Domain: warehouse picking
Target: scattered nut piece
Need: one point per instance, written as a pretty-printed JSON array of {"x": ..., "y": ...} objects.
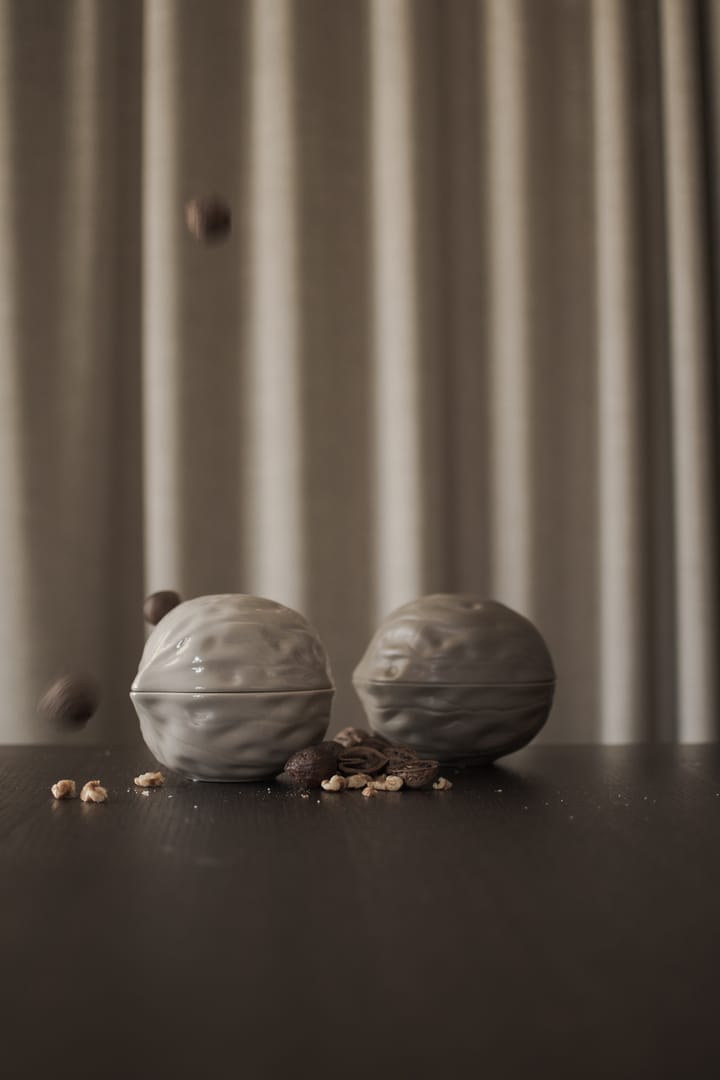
[
  {"x": 441, "y": 784},
  {"x": 369, "y": 792},
  {"x": 335, "y": 783},
  {"x": 387, "y": 783},
  {"x": 149, "y": 779},
  {"x": 393, "y": 783},
  {"x": 358, "y": 780},
  {"x": 93, "y": 792},
  {"x": 64, "y": 789}
]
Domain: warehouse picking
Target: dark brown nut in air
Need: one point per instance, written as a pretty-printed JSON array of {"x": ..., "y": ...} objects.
[
  {"x": 158, "y": 604},
  {"x": 351, "y": 736},
  {"x": 312, "y": 765},
  {"x": 418, "y": 774},
  {"x": 361, "y": 759},
  {"x": 208, "y": 218},
  {"x": 70, "y": 701}
]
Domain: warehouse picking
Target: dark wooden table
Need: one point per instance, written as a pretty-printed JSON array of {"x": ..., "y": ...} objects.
[{"x": 556, "y": 916}]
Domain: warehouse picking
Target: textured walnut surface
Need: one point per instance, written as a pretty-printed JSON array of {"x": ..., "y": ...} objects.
[
  {"x": 232, "y": 643},
  {"x": 456, "y": 639}
]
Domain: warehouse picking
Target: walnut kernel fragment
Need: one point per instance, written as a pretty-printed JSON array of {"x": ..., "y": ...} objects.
[
  {"x": 64, "y": 789},
  {"x": 369, "y": 792},
  {"x": 335, "y": 783},
  {"x": 441, "y": 784},
  {"x": 94, "y": 792},
  {"x": 149, "y": 779},
  {"x": 387, "y": 783},
  {"x": 358, "y": 780},
  {"x": 390, "y": 783}
]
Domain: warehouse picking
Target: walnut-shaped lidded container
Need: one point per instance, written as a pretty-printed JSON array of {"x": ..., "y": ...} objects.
[
  {"x": 456, "y": 678},
  {"x": 229, "y": 686}
]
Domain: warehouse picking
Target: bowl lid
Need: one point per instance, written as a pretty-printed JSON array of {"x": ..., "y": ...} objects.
[
  {"x": 232, "y": 643},
  {"x": 456, "y": 639}
]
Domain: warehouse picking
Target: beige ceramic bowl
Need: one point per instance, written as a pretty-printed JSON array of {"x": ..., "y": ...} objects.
[
  {"x": 229, "y": 686},
  {"x": 457, "y": 678}
]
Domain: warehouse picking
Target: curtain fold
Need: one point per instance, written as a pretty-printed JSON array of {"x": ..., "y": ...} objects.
[
  {"x": 510, "y": 417},
  {"x": 463, "y": 335},
  {"x": 694, "y": 411},
  {"x": 623, "y": 632}
]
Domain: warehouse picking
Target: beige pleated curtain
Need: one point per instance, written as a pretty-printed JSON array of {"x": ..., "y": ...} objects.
[{"x": 463, "y": 335}]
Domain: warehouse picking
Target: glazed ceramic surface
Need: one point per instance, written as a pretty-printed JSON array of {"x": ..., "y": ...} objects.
[
  {"x": 457, "y": 678},
  {"x": 230, "y": 685}
]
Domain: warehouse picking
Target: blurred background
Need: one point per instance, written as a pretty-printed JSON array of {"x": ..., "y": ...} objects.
[{"x": 463, "y": 335}]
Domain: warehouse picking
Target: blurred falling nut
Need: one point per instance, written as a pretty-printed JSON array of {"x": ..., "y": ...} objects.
[
  {"x": 93, "y": 792},
  {"x": 208, "y": 218},
  {"x": 70, "y": 701},
  {"x": 64, "y": 789}
]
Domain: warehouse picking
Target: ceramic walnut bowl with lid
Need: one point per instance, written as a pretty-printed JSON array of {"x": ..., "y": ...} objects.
[
  {"x": 457, "y": 678},
  {"x": 230, "y": 686}
]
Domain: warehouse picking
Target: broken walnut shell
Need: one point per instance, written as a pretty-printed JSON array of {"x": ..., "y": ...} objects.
[
  {"x": 361, "y": 759},
  {"x": 418, "y": 774}
]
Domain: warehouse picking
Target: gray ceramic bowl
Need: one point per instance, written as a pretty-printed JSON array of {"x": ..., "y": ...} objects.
[
  {"x": 229, "y": 686},
  {"x": 456, "y": 678}
]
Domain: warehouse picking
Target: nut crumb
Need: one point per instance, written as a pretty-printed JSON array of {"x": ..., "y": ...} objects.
[
  {"x": 64, "y": 789},
  {"x": 93, "y": 792},
  {"x": 335, "y": 783},
  {"x": 369, "y": 792},
  {"x": 441, "y": 784},
  {"x": 304, "y": 795},
  {"x": 149, "y": 779},
  {"x": 358, "y": 780}
]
